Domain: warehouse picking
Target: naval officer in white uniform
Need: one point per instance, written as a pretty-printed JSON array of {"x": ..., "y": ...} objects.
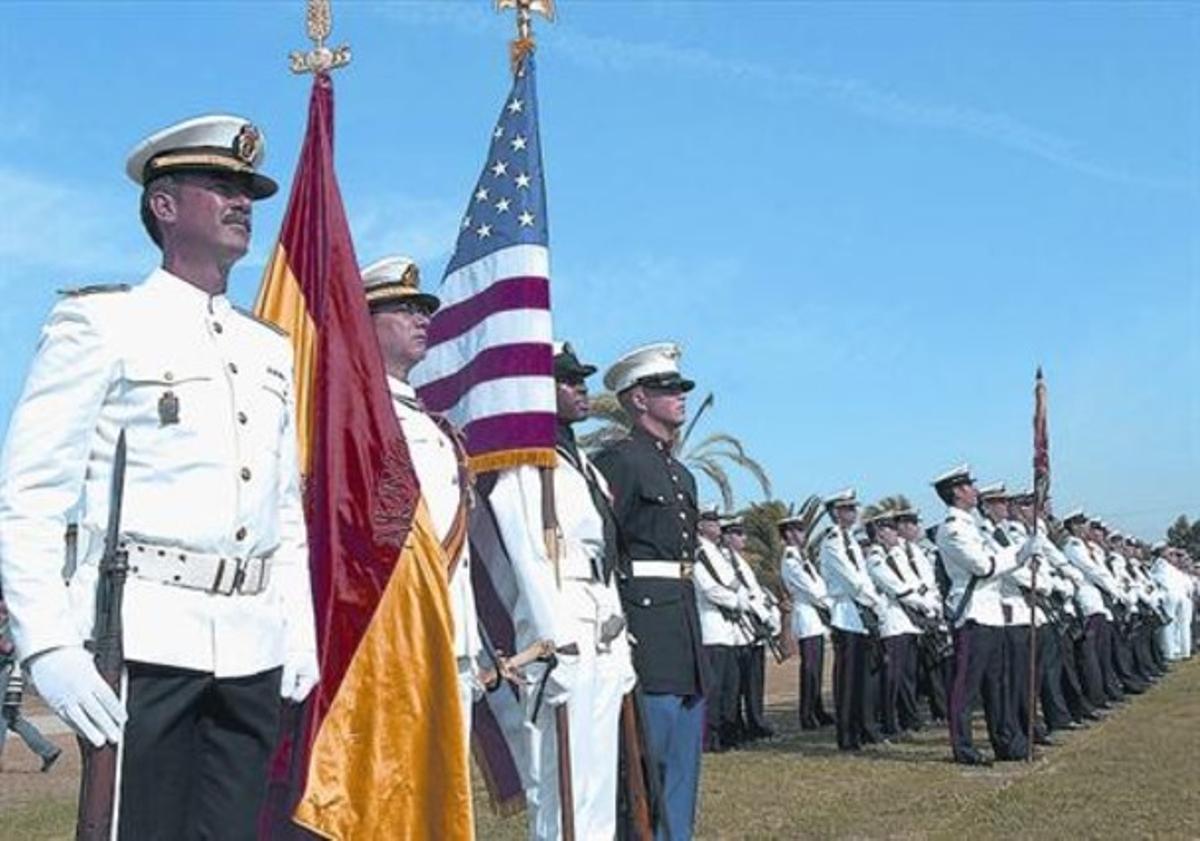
[
  {"x": 400, "y": 312},
  {"x": 218, "y": 619}
]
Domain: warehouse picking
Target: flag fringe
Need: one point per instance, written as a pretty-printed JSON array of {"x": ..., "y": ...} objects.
[{"x": 537, "y": 457}]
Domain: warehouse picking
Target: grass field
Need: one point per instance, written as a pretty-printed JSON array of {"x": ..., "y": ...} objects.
[{"x": 1136, "y": 775}]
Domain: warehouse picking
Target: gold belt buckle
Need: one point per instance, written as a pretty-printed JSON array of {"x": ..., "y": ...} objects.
[{"x": 685, "y": 570}]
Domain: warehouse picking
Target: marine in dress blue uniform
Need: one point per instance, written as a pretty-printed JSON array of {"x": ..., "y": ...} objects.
[{"x": 654, "y": 500}]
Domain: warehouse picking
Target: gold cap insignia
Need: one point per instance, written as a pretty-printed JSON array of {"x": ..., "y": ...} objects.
[{"x": 248, "y": 143}]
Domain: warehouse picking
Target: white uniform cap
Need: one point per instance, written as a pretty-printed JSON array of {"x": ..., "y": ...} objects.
[
  {"x": 211, "y": 143},
  {"x": 656, "y": 364},
  {"x": 841, "y": 498},
  {"x": 993, "y": 491},
  {"x": 960, "y": 475},
  {"x": 394, "y": 279}
]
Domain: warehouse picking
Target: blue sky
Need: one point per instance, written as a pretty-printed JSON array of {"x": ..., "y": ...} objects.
[{"x": 867, "y": 223}]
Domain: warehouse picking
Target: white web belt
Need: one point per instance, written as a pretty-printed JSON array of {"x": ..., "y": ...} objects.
[{"x": 178, "y": 567}]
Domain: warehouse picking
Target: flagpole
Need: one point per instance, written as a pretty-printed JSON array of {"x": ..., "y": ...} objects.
[
  {"x": 1033, "y": 634},
  {"x": 519, "y": 48},
  {"x": 1041, "y": 482}
]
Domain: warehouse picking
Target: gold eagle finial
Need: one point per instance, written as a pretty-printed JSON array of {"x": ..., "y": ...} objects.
[{"x": 524, "y": 43}]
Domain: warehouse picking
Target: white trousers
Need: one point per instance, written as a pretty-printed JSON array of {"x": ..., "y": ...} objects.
[
  {"x": 468, "y": 691},
  {"x": 1180, "y": 630},
  {"x": 593, "y": 713}
]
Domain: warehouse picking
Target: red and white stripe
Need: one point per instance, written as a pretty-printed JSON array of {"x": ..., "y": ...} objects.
[{"x": 489, "y": 367}]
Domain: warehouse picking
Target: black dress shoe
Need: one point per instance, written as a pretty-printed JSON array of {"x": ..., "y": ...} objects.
[
  {"x": 973, "y": 758},
  {"x": 1044, "y": 741}
]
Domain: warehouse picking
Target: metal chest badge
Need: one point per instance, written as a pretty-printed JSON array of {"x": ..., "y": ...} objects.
[{"x": 168, "y": 409}]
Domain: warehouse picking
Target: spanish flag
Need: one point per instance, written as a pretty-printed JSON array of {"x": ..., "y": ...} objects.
[{"x": 373, "y": 753}]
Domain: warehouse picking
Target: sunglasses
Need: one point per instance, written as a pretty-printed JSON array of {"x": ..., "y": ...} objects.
[{"x": 670, "y": 388}]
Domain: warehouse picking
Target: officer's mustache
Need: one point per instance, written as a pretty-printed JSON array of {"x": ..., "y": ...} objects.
[{"x": 236, "y": 218}]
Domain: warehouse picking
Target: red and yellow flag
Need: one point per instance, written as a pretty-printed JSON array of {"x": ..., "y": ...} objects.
[
  {"x": 1041, "y": 445},
  {"x": 373, "y": 754}
]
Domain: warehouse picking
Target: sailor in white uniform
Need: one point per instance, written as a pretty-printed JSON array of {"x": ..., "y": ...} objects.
[
  {"x": 855, "y": 622},
  {"x": 400, "y": 312},
  {"x": 572, "y": 602},
  {"x": 721, "y": 602},
  {"x": 975, "y": 567},
  {"x": 810, "y": 620},
  {"x": 218, "y": 619}
]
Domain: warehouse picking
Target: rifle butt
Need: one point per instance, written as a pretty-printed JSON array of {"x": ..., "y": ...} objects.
[
  {"x": 638, "y": 791},
  {"x": 97, "y": 790}
]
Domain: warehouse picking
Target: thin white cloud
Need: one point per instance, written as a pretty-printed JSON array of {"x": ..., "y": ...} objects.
[
  {"x": 52, "y": 226},
  {"x": 619, "y": 55},
  {"x": 423, "y": 229}
]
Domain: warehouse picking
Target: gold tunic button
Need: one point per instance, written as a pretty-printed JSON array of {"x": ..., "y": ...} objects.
[
  {"x": 217, "y": 328},
  {"x": 241, "y": 533},
  {"x": 241, "y": 416},
  {"x": 233, "y": 367},
  {"x": 168, "y": 376},
  {"x": 246, "y": 474}
]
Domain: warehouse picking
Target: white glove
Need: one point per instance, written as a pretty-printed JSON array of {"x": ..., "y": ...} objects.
[
  {"x": 68, "y": 682},
  {"x": 743, "y": 600},
  {"x": 300, "y": 675}
]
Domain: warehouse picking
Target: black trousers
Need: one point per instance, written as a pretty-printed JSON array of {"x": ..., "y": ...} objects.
[
  {"x": 1073, "y": 688},
  {"x": 1123, "y": 663},
  {"x": 812, "y": 665},
  {"x": 1016, "y": 657},
  {"x": 720, "y": 697},
  {"x": 1090, "y": 655},
  {"x": 752, "y": 675},
  {"x": 933, "y": 681},
  {"x": 906, "y": 707},
  {"x": 1051, "y": 668},
  {"x": 851, "y": 674},
  {"x": 1105, "y": 645},
  {"x": 897, "y": 687},
  {"x": 979, "y": 673},
  {"x": 195, "y": 753},
  {"x": 1143, "y": 653}
]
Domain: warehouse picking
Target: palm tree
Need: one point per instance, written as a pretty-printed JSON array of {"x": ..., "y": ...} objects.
[
  {"x": 710, "y": 456},
  {"x": 764, "y": 547}
]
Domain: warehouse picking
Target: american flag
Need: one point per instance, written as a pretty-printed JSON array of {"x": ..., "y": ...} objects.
[{"x": 490, "y": 362}]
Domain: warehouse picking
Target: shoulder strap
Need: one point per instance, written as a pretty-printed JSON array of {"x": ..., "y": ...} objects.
[{"x": 706, "y": 562}]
